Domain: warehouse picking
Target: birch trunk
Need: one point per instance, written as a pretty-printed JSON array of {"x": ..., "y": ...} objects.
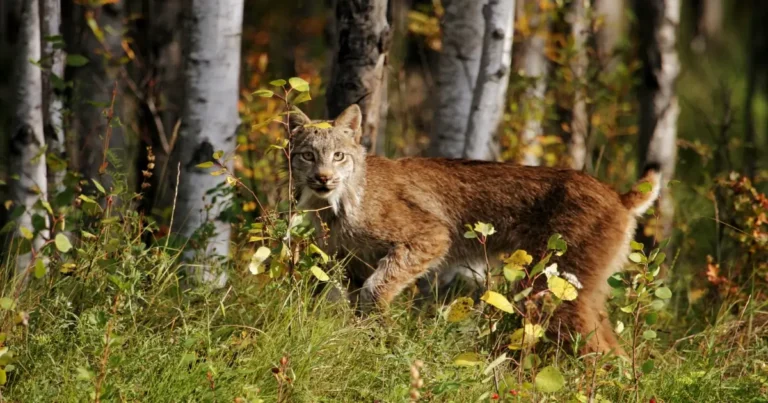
[
  {"x": 95, "y": 82},
  {"x": 490, "y": 93},
  {"x": 358, "y": 73},
  {"x": 658, "y": 22},
  {"x": 577, "y": 141},
  {"x": 27, "y": 162},
  {"x": 709, "y": 15},
  {"x": 533, "y": 63},
  {"x": 209, "y": 122},
  {"x": 458, "y": 66},
  {"x": 611, "y": 12},
  {"x": 53, "y": 60}
]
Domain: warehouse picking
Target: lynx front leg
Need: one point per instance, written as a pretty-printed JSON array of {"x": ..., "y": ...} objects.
[{"x": 402, "y": 266}]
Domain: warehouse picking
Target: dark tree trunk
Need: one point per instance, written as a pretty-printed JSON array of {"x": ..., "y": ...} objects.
[{"x": 358, "y": 75}]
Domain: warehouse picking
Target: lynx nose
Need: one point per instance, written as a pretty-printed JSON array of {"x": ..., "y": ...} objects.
[{"x": 323, "y": 177}]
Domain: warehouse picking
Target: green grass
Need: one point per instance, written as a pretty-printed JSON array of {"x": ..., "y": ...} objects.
[{"x": 168, "y": 344}]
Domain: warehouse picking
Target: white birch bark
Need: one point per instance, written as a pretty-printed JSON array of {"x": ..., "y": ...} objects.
[
  {"x": 577, "y": 142},
  {"x": 209, "y": 122},
  {"x": 358, "y": 73},
  {"x": 53, "y": 60},
  {"x": 27, "y": 165},
  {"x": 490, "y": 92},
  {"x": 658, "y": 21},
  {"x": 463, "y": 27},
  {"x": 611, "y": 13},
  {"x": 533, "y": 63}
]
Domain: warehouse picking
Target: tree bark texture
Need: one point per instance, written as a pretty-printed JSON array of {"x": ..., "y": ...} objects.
[
  {"x": 658, "y": 22},
  {"x": 532, "y": 61},
  {"x": 358, "y": 72},
  {"x": 96, "y": 34},
  {"x": 490, "y": 91},
  {"x": 53, "y": 58},
  {"x": 209, "y": 122},
  {"x": 577, "y": 141},
  {"x": 27, "y": 161},
  {"x": 611, "y": 13},
  {"x": 463, "y": 27}
]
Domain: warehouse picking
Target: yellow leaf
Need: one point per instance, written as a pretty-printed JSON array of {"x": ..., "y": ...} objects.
[
  {"x": 498, "y": 300},
  {"x": 460, "y": 309},
  {"x": 257, "y": 260},
  {"x": 315, "y": 250},
  {"x": 319, "y": 273},
  {"x": 519, "y": 258},
  {"x": 27, "y": 234},
  {"x": 526, "y": 337},
  {"x": 562, "y": 289},
  {"x": 319, "y": 125},
  {"x": 468, "y": 359}
]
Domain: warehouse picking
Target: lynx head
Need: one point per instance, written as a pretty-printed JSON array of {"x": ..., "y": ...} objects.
[{"x": 327, "y": 160}]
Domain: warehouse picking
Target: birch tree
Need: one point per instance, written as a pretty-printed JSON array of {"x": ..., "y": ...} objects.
[
  {"x": 53, "y": 58},
  {"x": 358, "y": 72},
  {"x": 611, "y": 14},
  {"x": 27, "y": 165},
  {"x": 490, "y": 91},
  {"x": 463, "y": 27},
  {"x": 577, "y": 140},
  {"x": 658, "y": 22},
  {"x": 209, "y": 122},
  {"x": 533, "y": 63}
]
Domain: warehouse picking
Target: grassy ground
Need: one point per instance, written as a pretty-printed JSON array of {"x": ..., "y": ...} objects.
[{"x": 128, "y": 332}]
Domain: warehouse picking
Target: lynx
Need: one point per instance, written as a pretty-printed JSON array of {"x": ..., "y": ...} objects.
[{"x": 400, "y": 219}]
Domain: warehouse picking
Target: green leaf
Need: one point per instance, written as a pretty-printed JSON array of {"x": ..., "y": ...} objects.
[
  {"x": 649, "y": 334},
  {"x": 299, "y": 84},
  {"x": 39, "y": 269},
  {"x": 62, "y": 243},
  {"x": 549, "y": 380},
  {"x": 27, "y": 234},
  {"x": 636, "y": 245},
  {"x": 498, "y": 300},
  {"x": 301, "y": 98},
  {"x": 98, "y": 186},
  {"x": 47, "y": 206},
  {"x": 644, "y": 187},
  {"x": 558, "y": 244},
  {"x": 660, "y": 258},
  {"x": 264, "y": 93},
  {"x": 468, "y": 360},
  {"x": 277, "y": 83},
  {"x": 651, "y": 318},
  {"x": 87, "y": 199},
  {"x": 647, "y": 366},
  {"x": 319, "y": 273},
  {"x": 513, "y": 275},
  {"x": 76, "y": 60},
  {"x": 84, "y": 374},
  {"x": 3, "y": 377},
  {"x": 637, "y": 257},
  {"x": 663, "y": 293},
  {"x": 523, "y": 294},
  {"x": 657, "y": 305},
  {"x": 616, "y": 281},
  {"x": 204, "y": 165},
  {"x": 7, "y": 304},
  {"x": 218, "y": 154}
]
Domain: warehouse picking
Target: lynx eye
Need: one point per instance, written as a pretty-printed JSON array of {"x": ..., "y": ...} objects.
[
  {"x": 308, "y": 156},
  {"x": 338, "y": 156}
]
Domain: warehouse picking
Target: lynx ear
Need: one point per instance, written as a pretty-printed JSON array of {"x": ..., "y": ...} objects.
[
  {"x": 297, "y": 118},
  {"x": 351, "y": 117}
]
